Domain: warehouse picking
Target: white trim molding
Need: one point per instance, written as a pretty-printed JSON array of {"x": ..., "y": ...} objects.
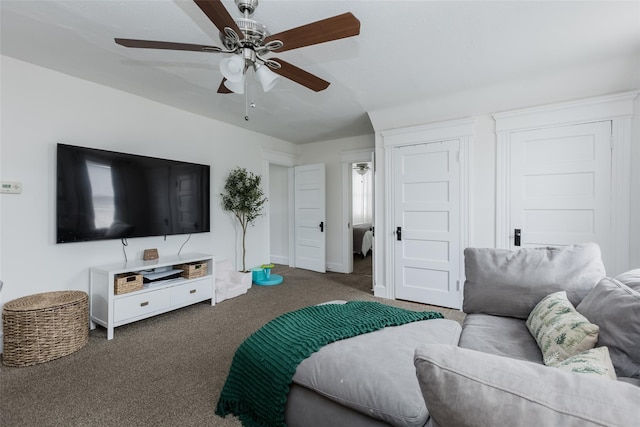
[
  {"x": 357, "y": 155},
  {"x": 567, "y": 113},
  {"x": 279, "y": 157},
  {"x": 427, "y": 133},
  {"x": 617, "y": 108}
]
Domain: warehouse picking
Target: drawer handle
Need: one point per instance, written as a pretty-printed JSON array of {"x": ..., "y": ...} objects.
[
  {"x": 131, "y": 279},
  {"x": 192, "y": 291},
  {"x": 144, "y": 304}
]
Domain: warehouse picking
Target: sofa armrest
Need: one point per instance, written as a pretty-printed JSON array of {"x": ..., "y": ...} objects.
[
  {"x": 463, "y": 387},
  {"x": 511, "y": 283}
]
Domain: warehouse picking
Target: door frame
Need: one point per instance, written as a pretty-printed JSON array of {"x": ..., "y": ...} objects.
[
  {"x": 287, "y": 160},
  {"x": 348, "y": 157},
  {"x": 618, "y": 109},
  {"x": 461, "y": 130}
]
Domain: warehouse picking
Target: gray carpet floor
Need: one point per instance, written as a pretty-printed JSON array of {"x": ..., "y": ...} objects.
[{"x": 167, "y": 370}]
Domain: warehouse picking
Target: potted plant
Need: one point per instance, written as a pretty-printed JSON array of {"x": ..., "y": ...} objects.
[{"x": 244, "y": 198}]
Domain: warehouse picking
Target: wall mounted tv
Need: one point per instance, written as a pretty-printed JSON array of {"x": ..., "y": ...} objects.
[{"x": 109, "y": 195}]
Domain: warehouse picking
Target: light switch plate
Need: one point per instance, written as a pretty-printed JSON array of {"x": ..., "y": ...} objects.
[{"x": 11, "y": 187}]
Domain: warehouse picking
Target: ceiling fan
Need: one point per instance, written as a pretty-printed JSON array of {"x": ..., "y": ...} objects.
[{"x": 250, "y": 41}]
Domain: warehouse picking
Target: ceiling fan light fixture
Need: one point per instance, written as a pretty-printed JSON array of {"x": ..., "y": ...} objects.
[
  {"x": 267, "y": 78},
  {"x": 362, "y": 168},
  {"x": 235, "y": 87},
  {"x": 233, "y": 68}
]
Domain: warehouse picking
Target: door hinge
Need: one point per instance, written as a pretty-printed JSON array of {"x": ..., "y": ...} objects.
[{"x": 457, "y": 285}]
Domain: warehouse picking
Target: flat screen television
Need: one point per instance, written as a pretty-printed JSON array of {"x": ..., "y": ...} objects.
[{"x": 109, "y": 195}]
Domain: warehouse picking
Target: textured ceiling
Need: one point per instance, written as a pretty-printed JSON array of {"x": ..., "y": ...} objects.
[{"x": 407, "y": 51}]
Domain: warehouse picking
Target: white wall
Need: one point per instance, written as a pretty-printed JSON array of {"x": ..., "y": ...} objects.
[
  {"x": 40, "y": 108},
  {"x": 328, "y": 152},
  {"x": 279, "y": 213}
]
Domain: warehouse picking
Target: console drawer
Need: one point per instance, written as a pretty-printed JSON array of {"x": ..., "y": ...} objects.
[
  {"x": 191, "y": 293},
  {"x": 139, "y": 305}
]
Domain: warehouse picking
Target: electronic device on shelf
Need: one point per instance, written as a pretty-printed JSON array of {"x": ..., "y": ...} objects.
[{"x": 104, "y": 194}]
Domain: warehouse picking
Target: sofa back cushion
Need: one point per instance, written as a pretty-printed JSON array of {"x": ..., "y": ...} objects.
[
  {"x": 630, "y": 278},
  {"x": 615, "y": 308},
  {"x": 511, "y": 283}
]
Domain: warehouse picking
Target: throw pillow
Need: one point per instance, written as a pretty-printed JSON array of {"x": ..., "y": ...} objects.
[
  {"x": 464, "y": 388},
  {"x": 615, "y": 308},
  {"x": 595, "y": 362},
  {"x": 559, "y": 329}
]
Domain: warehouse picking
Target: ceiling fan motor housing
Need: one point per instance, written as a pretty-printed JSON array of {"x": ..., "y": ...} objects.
[{"x": 253, "y": 31}]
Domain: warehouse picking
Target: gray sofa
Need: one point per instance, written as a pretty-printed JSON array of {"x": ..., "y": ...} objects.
[{"x": 491, "y": 370}]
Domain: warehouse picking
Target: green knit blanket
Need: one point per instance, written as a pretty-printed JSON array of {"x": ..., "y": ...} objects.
[{"x": 263, "y": 366}]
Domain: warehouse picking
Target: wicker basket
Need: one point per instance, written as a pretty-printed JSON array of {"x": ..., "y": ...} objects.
[
  {"x": 192, "y": 270},
  {"x": 43, "y": 327},
  {"x": 127, "y": 282}
]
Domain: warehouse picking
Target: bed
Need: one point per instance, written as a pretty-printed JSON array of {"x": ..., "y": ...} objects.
[{"x": 362, "y": 238}]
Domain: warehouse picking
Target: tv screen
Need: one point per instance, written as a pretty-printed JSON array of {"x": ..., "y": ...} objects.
[{"x": 108, "y": 195}]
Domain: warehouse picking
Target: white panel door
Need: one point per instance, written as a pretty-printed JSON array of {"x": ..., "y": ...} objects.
[
  {"x": 310, "y": 246},
  {"x": 427, "y": 223},
  {"x": 560, "y": 186}
]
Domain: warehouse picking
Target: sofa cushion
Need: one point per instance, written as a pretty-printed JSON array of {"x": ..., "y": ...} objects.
[
  {"x": 511, "y": 283},
  {"x": 596, "y": 362},
  {"x": 615, "y": 308},
  {"x": 374, "y": 373},
  {"x": 630, "y": 278},
  {"x": 502, "y": 336},
  {"x": 463, "y": 387},
  {"x": 559, "y": 329}
]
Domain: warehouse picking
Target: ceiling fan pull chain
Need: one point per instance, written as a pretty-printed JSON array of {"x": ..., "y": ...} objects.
[{"x": 246, "y": 104}]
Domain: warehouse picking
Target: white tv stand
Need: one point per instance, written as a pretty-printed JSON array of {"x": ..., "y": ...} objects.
[{"x": 111, "y": 311}]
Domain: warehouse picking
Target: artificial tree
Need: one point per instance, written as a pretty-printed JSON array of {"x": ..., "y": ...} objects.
[{"x": 243, "y": 197}]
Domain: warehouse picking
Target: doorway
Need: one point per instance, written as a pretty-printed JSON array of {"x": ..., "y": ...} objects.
[
  {"x": 358, "y": 177},
  {"x": 362, "y": 217}
]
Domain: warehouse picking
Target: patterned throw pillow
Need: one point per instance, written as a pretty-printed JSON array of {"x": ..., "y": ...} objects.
[
  {"x": 559, "y": 330},
  {"x": 595, "y": 362}
]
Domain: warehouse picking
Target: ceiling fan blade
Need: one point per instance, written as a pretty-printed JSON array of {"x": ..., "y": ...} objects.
[
  {"x": 218, "y": 14},
  {"x": 326, "y": 30},
  {"x": 222, "y": 88},
  {"x": 300, "y": 76},
  {"x": 150, "y": 44}
]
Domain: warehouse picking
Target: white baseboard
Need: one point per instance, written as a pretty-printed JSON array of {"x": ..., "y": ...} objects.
[
  {"x": 336, "y": 267},
  {"x": 278, "y": 259}
]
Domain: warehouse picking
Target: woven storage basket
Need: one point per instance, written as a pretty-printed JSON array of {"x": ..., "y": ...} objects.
[
  {"x": 192, "y": 270},
  {"x": 127, "y": 282},
  {"x": 43, "y": 327}
]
